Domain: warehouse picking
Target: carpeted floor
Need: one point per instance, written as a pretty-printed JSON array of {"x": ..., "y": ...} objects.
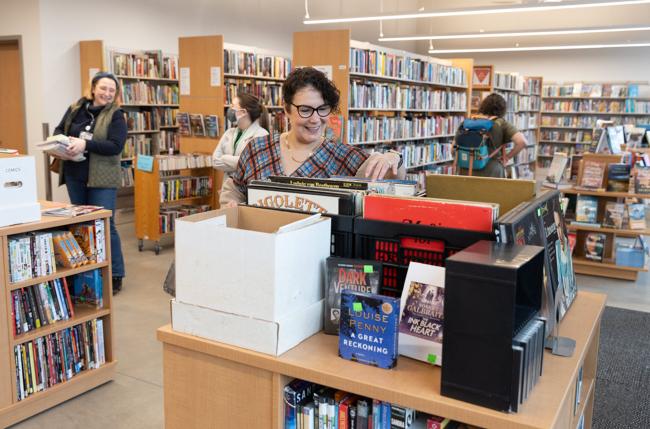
[{"x": 622, "y": 398}]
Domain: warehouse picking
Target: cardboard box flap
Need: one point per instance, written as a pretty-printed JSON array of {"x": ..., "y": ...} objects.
[{"x": 294, "y": 226}]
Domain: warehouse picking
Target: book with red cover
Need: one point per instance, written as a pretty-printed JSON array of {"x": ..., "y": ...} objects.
[{"x": 467, "y": 215}]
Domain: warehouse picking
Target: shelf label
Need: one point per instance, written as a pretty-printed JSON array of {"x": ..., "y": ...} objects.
[
  {"x": 215, "y": 76},
  {"x": 185, "y": 81},
  {"x": 145, "y": 163}
]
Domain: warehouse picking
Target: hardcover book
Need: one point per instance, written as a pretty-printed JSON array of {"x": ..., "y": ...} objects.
[
  {"x": 368, "y": 329},
  {"x": 642, "y": 180},
  {"x": 196, "y": 124},
  {"x": 422, "y": 319},
  {"x": 211, "y": 125},
  {"x": 183, "y": 121},
  {"x": 618, "y": 177},
  {"x": 595, "y": 246},
  {"x": 616, "y": 138},
  {"x": 587, "y": 209},
  {"x": 347, "y": 274},
  {"x": 614, "y": 215},
  {"x": 637, "y": 216},
  {"x": 593, "y": 173}
]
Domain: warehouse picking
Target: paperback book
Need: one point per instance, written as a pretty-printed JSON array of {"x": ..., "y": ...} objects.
[
  {"x": 595, "y": 246},
  {"x": 347, "y": 274},
  {"x": 211, "y": 125},
  {"x": 422, "y": 316},
  {"x": 368, "y": 329},
  {"x": 642, "y": 180},
  {"x": 183, "y": 121},
  {"x": 614, "y": 215},
  {"x": 587, "y": 209},
  {"x": 636, "y": 214},
  {"x": 196, "y": 124},
  {"x": 618, "y": 177},
  {"x": 88, "y": 289},
  {"x": 593, "y": 173}
]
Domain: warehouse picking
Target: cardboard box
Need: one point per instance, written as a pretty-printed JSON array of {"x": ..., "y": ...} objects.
[
  {"x": 18, "y": 200},
  {"x": 270, "y": 337},
  {"x": 252, "y": 262}
]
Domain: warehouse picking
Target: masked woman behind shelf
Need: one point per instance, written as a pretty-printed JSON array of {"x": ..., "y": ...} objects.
[
  {"x": 251, "y": 121},
  {"x": 96, "y": 127},
  {"x": 309, "y": 100}
]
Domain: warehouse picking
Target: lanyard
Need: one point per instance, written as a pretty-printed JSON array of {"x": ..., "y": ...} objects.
[{"x": 92, "y": 120}]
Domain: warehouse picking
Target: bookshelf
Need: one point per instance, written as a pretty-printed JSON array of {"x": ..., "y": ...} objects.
[
  {"x": 260, "y": 72},
  {"x": 13, "y": 410},
  {"x": 229, "y": 376},
  {"x": 378, "y": 100},
  {"x": 570, "y": 112},
  {"x": 149, "y": 84},
  {"x": 608, "y": 266}
]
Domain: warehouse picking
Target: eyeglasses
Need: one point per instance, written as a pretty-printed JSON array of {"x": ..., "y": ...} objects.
[{"x": 307, "y": 111}]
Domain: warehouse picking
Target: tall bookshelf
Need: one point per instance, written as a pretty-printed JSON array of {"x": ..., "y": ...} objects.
[
  {"x": 260, "y": 72},
  {"x": 149, "y": 87},
  {"x": 379, "y": 87},
  {"x": 13, "y": 410},
  {"x": 570, "y": 112}
]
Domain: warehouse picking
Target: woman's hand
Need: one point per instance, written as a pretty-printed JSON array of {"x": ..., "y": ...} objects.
[
  {"x": 76, "y": 146},
  {"x": 378, "y": 165}
]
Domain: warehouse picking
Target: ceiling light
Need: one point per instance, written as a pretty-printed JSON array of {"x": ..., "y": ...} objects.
[
  {"x": 483, "y": 11},
  {"x": 482, "y": 35},
  {"x": 538, "y": 48}
]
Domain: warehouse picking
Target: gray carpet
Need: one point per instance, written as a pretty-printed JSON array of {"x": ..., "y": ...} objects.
[{"x": 622, "y": 398}]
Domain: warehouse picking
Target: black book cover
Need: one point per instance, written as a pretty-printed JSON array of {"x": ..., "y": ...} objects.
[
  {"x": 352, "y": 274},
  {"x": 28, "y": 311},
  {"x": 39, "y": 305}
]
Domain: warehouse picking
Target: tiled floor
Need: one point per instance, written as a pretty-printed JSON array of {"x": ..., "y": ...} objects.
[{"x": 134, "y": 399}]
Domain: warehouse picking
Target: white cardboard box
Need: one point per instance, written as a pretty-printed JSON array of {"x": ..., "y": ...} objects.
[
  {"x": 18, "y": 200},
  {"x": 251, "y": 261},
  {"x": 273, "y": 338}
]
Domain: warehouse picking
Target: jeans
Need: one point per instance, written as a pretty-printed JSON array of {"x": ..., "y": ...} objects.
[{"x": 81, "y": 194}]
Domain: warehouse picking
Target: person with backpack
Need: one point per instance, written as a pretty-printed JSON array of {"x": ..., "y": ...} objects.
[{"x": 480, "y": 140}]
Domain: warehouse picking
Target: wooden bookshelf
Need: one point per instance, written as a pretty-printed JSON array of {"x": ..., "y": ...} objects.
[
  {"x": 335, "y": 51},
  {"x": 584, "y": 109},
  {"x": 227, "y": 377},
  {"x": 11, "y": 409}
]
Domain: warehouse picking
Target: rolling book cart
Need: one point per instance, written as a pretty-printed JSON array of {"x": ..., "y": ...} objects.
[{"x": 13, "y": 409}]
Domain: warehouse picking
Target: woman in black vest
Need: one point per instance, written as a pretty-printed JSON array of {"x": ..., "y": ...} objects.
[{"x": 96, "y": 127}]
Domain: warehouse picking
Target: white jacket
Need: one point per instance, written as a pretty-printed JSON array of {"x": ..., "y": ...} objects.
[{"x": 224, "y": 157}]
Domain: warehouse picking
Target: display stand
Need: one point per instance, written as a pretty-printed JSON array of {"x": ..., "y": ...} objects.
[
  {"x": 217, "y": 385},
  {"x": 12, "y": 410}
]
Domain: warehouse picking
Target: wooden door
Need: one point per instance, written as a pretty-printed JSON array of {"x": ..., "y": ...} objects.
[{"x": 12, "y": 107}]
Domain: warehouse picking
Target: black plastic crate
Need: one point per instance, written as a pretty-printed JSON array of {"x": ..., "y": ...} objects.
[{"x": 397, "y": 244}]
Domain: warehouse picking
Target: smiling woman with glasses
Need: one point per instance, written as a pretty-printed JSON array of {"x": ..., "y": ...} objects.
[{"x": 309, "y": 100}]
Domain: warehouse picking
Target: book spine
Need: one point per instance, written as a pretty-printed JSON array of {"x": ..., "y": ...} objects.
[{"x": 66, "y": 291}]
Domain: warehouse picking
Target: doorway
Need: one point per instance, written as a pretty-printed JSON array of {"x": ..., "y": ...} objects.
[{"x": 12, "y": 105}]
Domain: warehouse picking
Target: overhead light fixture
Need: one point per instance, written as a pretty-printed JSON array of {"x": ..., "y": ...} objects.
[
  {"x": 482, "y": 11},
  {"x": 538, "y": 48},
  {"x": 484, "y": 35}
]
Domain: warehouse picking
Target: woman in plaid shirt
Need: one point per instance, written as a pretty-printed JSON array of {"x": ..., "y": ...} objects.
[{"x": 309, "y": 99}]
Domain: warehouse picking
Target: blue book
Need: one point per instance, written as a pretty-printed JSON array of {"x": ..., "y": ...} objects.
[
  {"x": 368, "y": 328},
  {"x": 88, "y": 289},
  {"x": 296, "y": 393}
]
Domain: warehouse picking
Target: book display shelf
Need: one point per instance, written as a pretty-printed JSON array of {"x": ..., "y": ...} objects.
[
  {"x": 55, "y": 355},
  {"x": 226, "y": 377},
  {"x": 570, "y": 112},
  {"x": 259, "y": 72},
  {"x": 599, "y": 250},
  {"x": 177, "y": 189},
  {"x": 392, "y": 99},
  {"x": 523, "y": 101},
  {"x": 149, "y": 86}
]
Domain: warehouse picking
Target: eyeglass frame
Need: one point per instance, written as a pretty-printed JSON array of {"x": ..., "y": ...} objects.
[{"x": 313, "y": 110}]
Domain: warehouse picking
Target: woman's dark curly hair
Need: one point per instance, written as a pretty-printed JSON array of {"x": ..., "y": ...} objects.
[
  {"x": 493, "y": 105},
  {"x": 309, "y": 76}
]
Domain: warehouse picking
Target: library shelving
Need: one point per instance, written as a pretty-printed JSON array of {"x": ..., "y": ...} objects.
[
  {"x": 57, "y": 387},
  {"x": 392, "y": 98},
  {"x": 260, "y": 72},
  {"x": 170, "y": 190},
  {"x": 607, "y": 266},
  {"x": 228, "y": 376},
  {"x": 149, "y": 84},
  {"x": 570, "y": 112}
]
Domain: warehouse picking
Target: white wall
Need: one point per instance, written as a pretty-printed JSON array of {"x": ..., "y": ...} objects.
[{"x": 20, "y": 18}]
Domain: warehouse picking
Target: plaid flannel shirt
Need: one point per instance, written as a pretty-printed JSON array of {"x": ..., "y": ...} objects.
[{"x": 261, "y": 159}]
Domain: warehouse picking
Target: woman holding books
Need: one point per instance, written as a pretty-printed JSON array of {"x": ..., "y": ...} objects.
[
  {"x": 251, "y": 121},
  {"x": 309, "y": 99},
  {"x": 96, "y": 128},
  {"x": 494, "y": 107}
]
